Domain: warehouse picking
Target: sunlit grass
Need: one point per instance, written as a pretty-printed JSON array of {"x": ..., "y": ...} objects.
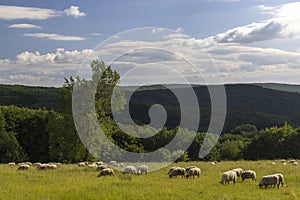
[{"x": 73, "y": 182}]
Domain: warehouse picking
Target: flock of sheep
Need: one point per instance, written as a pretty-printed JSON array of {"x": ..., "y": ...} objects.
[{"x": 188, "y": 172}]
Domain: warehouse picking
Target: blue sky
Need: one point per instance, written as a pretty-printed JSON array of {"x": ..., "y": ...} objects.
[{"x": 248, "y": 41}]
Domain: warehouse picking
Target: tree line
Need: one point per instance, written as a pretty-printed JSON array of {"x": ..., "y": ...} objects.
[{"x": 43, "y": 135}]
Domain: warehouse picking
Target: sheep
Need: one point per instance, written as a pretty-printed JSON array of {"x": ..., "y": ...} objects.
[
  {"x": 295, "y": 163},
  {"x": 11, "y": 164},
  {"x": 238, "y": 171},
  {"x": 195, "y": 171},
  {"x": 101, "y": 167},
  {"x": 129, "y": 170},
  {"x": 190, "y": 167},
  {"x": 107, "y": 172},
  {"x": 177, "y": 171},
  {"x": 82, "y": 164},
  {"x": 42, "y": 167},
  {"x": 51, "y": 166},
  {"x": 142, "y": 169},
  {"x": 23, "y": 167},
  {"x": 273, "y": 163},
  {"x": 280, "y": 179},
  {"x": 37, "y": 164},
  {"x": 248, "y": 174},
  {"x": 283, "y": 160},
  {"x": 99, "y": 163},
  {"x": 284, "y": 164},
  {"x": 121, "y": 164},
  {"x": 228, "y": 176},
  {"x": 269, "y": 180},
  {"x": 214, "y": 163},
  {"x": 292, "y": 161},
  {"x": 113, "y": 163},
  {"x": 93, "y": 165}
]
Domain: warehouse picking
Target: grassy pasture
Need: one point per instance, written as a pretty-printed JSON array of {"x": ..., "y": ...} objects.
[{"x": 73, "y": 182}]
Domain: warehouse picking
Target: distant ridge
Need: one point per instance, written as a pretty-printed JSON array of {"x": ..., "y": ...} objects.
[{"x": 280, "y": 87}]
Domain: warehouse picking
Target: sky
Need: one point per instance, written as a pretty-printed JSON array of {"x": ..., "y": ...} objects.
[{"x": 170, "y": 41}]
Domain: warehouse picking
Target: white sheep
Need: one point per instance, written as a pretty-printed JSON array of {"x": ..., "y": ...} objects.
[
  {"x": 101, "y": 167},
  {"x": 113, "y": 163},
  {"x": 295, "y": 163},
  {"x": 228, "y": 176},
  {"x": 176, "y": 171},
  {"x": 238, "y": 171},
  {"x": 82, "y": 164},
  {"x": 42, "y": 167},
  {"x": 280, "y": 179},
  {"x": 248, "y": 174},
  {"x": 51, "y": 166},
  {"x": 130, "y": 170},
  {"x": 11, "y": 164},
  {"x": 106, "y": 172},
  {"x": 142, "y": 169},
  {"x": 23, "y": 167},
  {"x": 269, "y": 180},
  {"x": 194, "y": 171}
]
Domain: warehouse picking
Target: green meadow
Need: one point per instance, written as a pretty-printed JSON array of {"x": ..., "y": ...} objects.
[{"x": 73, "y": 182}]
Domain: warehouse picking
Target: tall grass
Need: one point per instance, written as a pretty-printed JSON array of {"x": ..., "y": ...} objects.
[{"x": 73, "y": 182}]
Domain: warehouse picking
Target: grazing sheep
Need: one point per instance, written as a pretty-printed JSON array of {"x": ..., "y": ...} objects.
[
  {"x": 228, "y": 176},
  {"x": 101, "y": 167},
  {"x": 93, "y": 165},
  {"x": 269, "y": 180},
  {"x": 190, "y": 167},
  {"x": 177, "y": 171},
  {"x": 195, "y": 171},
  {"x": 121, "y": 164},
  {"x": 23, "y": 167},
  {"x": 99, "y": 163},
  {"x": 283, "y": 160},
  {"x": 292, "y": 161},
  {"x": 284, "y": 163},
  {"x": 280, "y": 179},
  {"x": 248, "y": 174},
  {"x": 51, "y": 166},
  {"x": 129, "y": 170},
  {"x": 107, "y": 172},
  {"x": 37, "y": 164},
  {"x": 113, "y": 163},
  {"x": 295, "y": 163},
  {"x": 82, "y": 164},
  {"x": 11, "y": 164},
  {"x": 273, "y": 163},
  {"x": 238, "y": 171},
  {"x": 42, "y": 167},
  {"x": 142, "y": 169},
  {"x": 214, "y": 163}
]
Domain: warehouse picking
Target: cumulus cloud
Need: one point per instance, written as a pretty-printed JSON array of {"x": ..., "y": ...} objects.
[
  {"x": 17, "y": 12},
  {"x": 33, "y": 13},
  {"x": 285, "y": 23},
  {"x": 74, "y": 12},
  {"x": 25, "y": 26},
  {"x": 53, "y": 36}
]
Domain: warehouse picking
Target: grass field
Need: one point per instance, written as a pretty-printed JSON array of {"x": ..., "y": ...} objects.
[{"x": 73, "y": 182}]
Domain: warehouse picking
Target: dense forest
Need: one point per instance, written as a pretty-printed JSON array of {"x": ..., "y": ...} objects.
[{"x": 36, "y": 123}]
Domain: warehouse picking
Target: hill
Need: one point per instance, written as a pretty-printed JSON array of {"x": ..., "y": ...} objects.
[{"x": 263, "y": 105}]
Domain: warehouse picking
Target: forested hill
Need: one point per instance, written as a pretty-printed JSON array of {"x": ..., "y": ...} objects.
[
  {"x": 30, "y": 97},
  {"x": 246, "y": 103}
]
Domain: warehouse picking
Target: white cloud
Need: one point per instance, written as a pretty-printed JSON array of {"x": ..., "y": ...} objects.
[
  {"x": 53, "y": 36},
  {"x": 74, "y": 12},
  {"x": 17, "y": 12},
  {"x": 96, "y": 34},
  {"x": 285, "y": 23},
  {"x": 25, "y": 26},
  {"x": 22, "y": 77}
]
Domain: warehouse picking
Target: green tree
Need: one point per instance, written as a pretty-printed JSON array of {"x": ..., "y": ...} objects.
[{"x": 10, "y": 149}]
